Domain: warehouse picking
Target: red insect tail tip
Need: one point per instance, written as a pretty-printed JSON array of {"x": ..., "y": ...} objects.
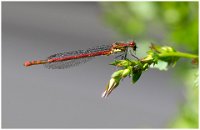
[{"x": 27, "y": 63}]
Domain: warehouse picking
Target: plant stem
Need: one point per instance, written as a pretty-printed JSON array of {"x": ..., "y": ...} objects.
[{"x": 179, "y": 54}]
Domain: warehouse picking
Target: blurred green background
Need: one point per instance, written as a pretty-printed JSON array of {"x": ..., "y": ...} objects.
[{"x": 167, "y": 23}]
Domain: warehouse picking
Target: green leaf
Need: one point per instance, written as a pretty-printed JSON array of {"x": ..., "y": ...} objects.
[
  {"x": 145, "y": 66},
  {"x": 167, "y": 49},
  {"x": 170, "y": 60},
  {"x": 126, "y": 72},
  {"x": 117, "y": 73},
  {"x": 115, "y": 62},
  {"x": 154, "y": 47},
  {"x": 135, "y": 76},
  {"x": 121, "y": 63}
]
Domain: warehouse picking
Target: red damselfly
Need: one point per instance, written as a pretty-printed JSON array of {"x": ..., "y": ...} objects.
[{"x": 74, "y": 58}]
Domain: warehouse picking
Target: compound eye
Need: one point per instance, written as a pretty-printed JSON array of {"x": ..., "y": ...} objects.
[
  {"x": 134, "y": 48},
  {"x": 132, "y": 43}
]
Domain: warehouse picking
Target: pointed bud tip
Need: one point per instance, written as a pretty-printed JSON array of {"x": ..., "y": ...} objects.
[{"x": 104, "y": 95}]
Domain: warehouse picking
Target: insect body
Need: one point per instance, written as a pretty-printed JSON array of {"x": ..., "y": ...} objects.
[{"x": 73, "y": 58}]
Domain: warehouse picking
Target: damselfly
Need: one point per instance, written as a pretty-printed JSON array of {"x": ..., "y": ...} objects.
[{"x": 74, "y": 58}]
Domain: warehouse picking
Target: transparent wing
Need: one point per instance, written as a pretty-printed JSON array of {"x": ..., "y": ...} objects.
[
  {"x": 73, "y": 62},
  {"x": 67, "y": 64}
]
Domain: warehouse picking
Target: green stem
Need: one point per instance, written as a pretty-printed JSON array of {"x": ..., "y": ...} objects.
[{"x": 179, "y": 54}]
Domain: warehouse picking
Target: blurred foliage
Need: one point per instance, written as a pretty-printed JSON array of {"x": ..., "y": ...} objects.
[
  {"x": 171, "y": 23},
  {"x": 188, "y": 116}
]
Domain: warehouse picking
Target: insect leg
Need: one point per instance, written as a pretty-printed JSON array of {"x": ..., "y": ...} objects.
[
  {"x": 121, "y": 55},
  {"x": 125, "y": 54},
  {"x": 133, "y": 55}
]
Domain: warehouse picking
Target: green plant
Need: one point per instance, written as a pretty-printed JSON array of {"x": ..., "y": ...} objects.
[
  {"x": 159, "y": 57},
  {"x": 174, "y": 23}
]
